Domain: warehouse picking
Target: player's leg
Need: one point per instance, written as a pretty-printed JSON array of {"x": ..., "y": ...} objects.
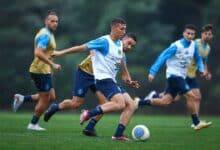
[
  {"x": 89, "y": 130},
  {"x": 41, "y": 106},
  {"x": 111, "y": 91},
  {"x": 197, "y": 99},
  {"x": 125, "y": 117},
  {"x": 45, "y": 90},
  {"x": 81, "y": 84},
  {"x": 20, "y": 99}
]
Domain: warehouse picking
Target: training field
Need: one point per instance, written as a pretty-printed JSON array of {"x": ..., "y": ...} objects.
[{"x": 64, "y": 133}]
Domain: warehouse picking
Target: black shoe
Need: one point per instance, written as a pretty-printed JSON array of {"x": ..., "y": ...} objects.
[
  {"x": 50, "y": 112},
  {"x": 89, "y": 132}
]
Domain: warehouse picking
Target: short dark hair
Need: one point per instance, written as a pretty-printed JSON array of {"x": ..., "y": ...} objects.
[
  {"x": 50, "y": 12},
  {"x": 118, "y": 20},
  {"x": 190, "y": 26},
  {"x": 207, "y": 27},
  {"x": 131, "y": 35}
]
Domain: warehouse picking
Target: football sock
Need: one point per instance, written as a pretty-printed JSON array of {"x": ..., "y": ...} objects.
[
  {"x": 143, "y": 102},
  {"x": 28, "y": 98},
  {"x": 34, "y": 119},
  {"x": 91, "y": 124},
  {"x": 96, "y": 111},
  {"x": 55, "y": 108},
  {"x": 120, "y": 130},
  {"x": 195, "y": 119}
]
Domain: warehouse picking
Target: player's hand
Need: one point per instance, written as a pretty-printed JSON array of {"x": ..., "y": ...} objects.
[
  {"x": 150, "y": 77},
  {"x": 57, "y": 53},
  {"x": 204, "y": 74},
  {"x": 56, "y": 66},
  {"x": 134, "y": 84},
  {"x": 208, "y": 76}
]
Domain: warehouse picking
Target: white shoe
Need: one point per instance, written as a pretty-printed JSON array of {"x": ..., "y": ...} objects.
[
  {"x": 202, "y": 124},
  {"x": 35, "y": 127},
  {"x": 150, "y": 95},
  {"x": 18, "y": 100},
  {"x": 136, "y": 102},
  {"x": 192, "y": 125}
]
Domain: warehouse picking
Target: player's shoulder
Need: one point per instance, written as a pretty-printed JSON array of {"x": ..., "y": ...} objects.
[{"x": 44, "y": 31}]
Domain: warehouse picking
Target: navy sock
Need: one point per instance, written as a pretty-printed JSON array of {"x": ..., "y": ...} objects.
[
  {"x": 91, "y": 124},
  {"x": 28, "y": 98},
  {"x": 34, "y": 119},
  {"x": 143, "y": 102},
  {"x": 120, "y": 130},
  {"x": 96, "y": 111},
  {"x": 55, "y": 107},
  {"x": 195, "y": 119}
]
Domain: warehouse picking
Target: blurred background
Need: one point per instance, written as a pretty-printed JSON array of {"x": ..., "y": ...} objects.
[{"x": 157, "y": 23}]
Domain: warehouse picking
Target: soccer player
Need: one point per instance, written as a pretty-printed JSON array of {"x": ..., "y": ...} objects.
[
  {"x": 178, "y": 57},
  {"x": 107, "y": 58},
  {"x": 40, "y": 70},
  {"x": 84, "y": 80},
  {"x": 204, "y": 50}
]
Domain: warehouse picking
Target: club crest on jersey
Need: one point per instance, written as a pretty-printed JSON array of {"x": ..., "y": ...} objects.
[{"x": 119, "y": 52}]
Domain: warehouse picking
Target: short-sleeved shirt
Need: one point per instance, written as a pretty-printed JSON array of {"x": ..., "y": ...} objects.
[
  {"x": 204, "y": 50},
  {"x": 44, "y": 39}
]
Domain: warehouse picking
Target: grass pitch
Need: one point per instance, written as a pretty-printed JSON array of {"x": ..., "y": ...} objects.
[{"x": 65, "y": 133}]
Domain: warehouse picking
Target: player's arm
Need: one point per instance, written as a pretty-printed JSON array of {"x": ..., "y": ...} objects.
[
  {"x": 125, "y": 75},
  {"x": 73, "y": 49},
  {"x": 166, "y": 54},
  {"x": 41, "y": 44},
  {"x": 208, "y": 75},
  {"x": 199, "y": 62}
]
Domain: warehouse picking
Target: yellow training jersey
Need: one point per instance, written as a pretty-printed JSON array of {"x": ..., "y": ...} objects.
[
  {"x": 86, "y": 65},
  {"x": 204, "y": 50},
  {"x": 44, "y": 39}
]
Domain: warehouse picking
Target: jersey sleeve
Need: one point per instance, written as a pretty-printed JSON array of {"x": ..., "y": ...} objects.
[
  {"x": 166, "y": 54},
  {"x": 198, "y": 59},
  {"x": 43, "y": 41},
  {"x": 100, "y": 44}
]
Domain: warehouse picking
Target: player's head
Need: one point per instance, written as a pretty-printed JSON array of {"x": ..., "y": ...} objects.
[
  {"x": 189, "y": 32},
  {"x": 129, "y": 41},
  {"x": 207, "y": 33},
  {"x": 118, "y": 28},
  {"x": 51, "y": 20}
]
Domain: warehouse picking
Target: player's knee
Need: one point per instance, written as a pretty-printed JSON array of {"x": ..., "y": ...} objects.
[
  {"x": 120, "y": 105},
  {"x": 76, "y": 103},
  {"x": 167, "y": 103}
]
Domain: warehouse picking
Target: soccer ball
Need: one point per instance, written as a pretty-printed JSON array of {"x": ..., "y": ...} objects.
[{"x": 140, "y": 133}]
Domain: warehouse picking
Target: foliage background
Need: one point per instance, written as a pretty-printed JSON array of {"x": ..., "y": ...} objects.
[{"x": 157, "y": 23}]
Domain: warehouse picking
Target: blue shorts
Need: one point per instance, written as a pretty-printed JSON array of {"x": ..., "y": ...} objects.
[
  {"x": 122, "y": 90},
  {"x": 176, "y": 86},
  {"x": 108, "y": 87},
  {"x": 43, "y": 82},
  {"x": 192, "y": 82},
  {"x": 83, "y": 82}
]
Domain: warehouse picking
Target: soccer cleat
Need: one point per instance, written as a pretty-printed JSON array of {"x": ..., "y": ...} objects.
[
  {"x": 136, "y": 102},
  {"x": 35, "y": 127},
  {"x": 202, "y": 124},
  {"x": 192, "y": 125},
  {"x": 89, "y": 132},
  {"x": 151, "y": 95},
  {"x": 84, "y": 116},
  {"x": 120, "y": 138},
  {"x": 18, "y": 100},
  {"x": 50, "y": 112}
]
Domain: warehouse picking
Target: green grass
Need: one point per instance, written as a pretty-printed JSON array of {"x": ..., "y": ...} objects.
[{"x": 64, "y": 133}]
